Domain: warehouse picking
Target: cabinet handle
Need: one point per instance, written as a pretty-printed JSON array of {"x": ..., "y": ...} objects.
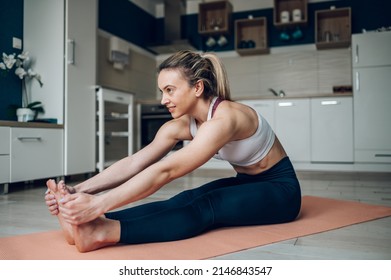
[
  {"x": 356, "y": 57},
  {"x": 29, "y": 138},
  {"x": 382, "y": 155},
  {"x": 71, "y": 56},
  {"x": 329, "y": 102},
  {"x": 285, "y": 104},
  {"x": 357, "y": 81}
]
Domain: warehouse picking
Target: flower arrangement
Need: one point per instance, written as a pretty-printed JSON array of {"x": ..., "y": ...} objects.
[{"x": 23, "y": 70}]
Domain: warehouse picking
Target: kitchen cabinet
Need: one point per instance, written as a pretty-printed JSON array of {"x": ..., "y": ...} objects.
[
  {"x": 372, "y": 98},
  {"x": 333, "y": 28},
  {"x": 283, "y": 13},
  {"x": 332, "y": 129},
  {"x": 292, "y": 127},
  {"x": 35, "y": 153},
  {"x": 5, "y": 133},
  {"x": 115, "y": 126},
  {"x": 61, "y": 37},
  {"x": 214, "y": 17},
  {"x": 251, "y": 30},
  {"x": 371, "y": 49}
]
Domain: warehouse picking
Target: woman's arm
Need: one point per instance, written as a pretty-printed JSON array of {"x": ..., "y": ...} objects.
[
  {"x": 126, "y": 168},
  {"x": 211, "y": 136}
]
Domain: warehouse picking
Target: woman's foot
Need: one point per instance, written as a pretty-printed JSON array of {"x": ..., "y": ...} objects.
[
  {"x": 59, "y": 190},
  {"x": 96, "y": 234}
]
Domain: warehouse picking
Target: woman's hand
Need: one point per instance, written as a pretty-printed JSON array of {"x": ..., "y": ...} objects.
[{"x": 79, "y": 208}]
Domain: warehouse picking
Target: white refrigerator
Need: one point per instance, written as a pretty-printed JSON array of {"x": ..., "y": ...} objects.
[{"x": 371, "y": 61}]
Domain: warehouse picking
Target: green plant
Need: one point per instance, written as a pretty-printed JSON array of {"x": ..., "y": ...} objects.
[{"x": 37, "y": 107}]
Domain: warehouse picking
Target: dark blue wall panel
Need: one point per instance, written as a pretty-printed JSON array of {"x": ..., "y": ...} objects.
[{"x": 11, "y": 15}]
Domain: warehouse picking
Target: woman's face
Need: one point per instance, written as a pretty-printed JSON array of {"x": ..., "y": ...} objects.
[{"x": 177, "y": 95}]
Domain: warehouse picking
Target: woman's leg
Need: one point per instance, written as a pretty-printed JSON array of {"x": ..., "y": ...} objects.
[
  {"x": 96, "y": 234},
  {"x": 239, "y": 203},
  {"x": 180, "y": 199}
]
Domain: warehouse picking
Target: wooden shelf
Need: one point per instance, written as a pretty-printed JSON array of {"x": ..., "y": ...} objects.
[
  {"x": 333, "y": 28},
  {"x": 214, "y": 18},
  {"x": 289, "y": 6},
  {"x": 255, "y": 30}
]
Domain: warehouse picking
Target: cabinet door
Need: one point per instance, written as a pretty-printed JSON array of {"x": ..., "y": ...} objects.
[
  {"x": 263, "y": 107},
  {"x": 371, "y": 49},
  {"x": 293, "y": 127},
  {"x": 372, "y": 114},
  {"x": 4, "y": 154},
  {"x": 36, "y": 153},
  {"x": 332, "y": 129},
  {"x": 81, "y": 25},
  {"x": 43, "y": 34}
]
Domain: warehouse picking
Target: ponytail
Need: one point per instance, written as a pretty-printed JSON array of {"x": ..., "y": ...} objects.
[
  {"x": 207, "y": 68},
  {"x": 223, "y": 90}
]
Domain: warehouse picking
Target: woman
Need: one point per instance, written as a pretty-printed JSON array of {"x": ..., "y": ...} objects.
[{"x": 195, "y": 90}]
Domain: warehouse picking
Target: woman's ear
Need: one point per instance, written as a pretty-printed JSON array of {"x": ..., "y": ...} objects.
[{"x": 199, "y": 88}]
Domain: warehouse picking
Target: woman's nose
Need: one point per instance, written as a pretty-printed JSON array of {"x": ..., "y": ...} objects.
[{"x": 164, "y": 100}]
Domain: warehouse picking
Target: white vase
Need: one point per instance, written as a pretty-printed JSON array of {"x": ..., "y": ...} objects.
[{"x": 25, "y": 114}]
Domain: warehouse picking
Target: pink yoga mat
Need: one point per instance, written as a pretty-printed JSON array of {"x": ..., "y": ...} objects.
[{"x": 317, "y": 215}]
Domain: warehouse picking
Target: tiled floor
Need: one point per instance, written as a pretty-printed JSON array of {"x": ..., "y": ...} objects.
[{"x": 23, "y": 211}]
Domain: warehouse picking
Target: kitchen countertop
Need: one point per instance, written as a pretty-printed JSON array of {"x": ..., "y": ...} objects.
[
  {"x": 263, "y": 97},
  {"x": 30, "y": 124}
]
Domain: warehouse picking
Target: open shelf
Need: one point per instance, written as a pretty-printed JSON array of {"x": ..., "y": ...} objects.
[
  {"x": 289, "y": 6},
  {"x": 255, "y": 30},
  {"x": 214, "y": 17},
  {"x": 333, "y": 28}
]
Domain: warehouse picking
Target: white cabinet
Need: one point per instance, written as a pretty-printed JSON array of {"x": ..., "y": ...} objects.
[
  {"x": 80, "y": 81},
  {"x": 5, "y": 133},
  {"x": 61, "y": 38},
  {"x": 35, "y": 153},
  {"x": 332, "y": 129},
  {"x": 115, "y": 126},
  {"x": 372, "y": 98},
  {"x": 292, "y": 127},
  {"x": 372, "y": 115},
  {"x": 371, "y": 49}
]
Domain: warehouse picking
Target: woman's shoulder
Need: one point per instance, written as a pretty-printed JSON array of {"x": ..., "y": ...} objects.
[{"x": 231, "y": 109}]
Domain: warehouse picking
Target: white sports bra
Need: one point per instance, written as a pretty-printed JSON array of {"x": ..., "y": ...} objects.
[{"x": 247, "y": 151}]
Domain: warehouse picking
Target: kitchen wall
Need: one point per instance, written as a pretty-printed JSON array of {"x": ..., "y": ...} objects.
[
  {"x": 11, "y": 15},
  {"x": 138, "y": 77},
  {"x": 303, "y": 72}
]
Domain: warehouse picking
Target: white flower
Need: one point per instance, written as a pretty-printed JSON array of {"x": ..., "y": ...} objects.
[
  {"x": 20, "y": 72},
  {"x": 9, "y": 60},
  {"x": 22, "y": 65},
  {"x": 24, "y": 55}
]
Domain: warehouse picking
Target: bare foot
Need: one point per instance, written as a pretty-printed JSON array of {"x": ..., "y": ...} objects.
[
  {"x": 96, "y": 234},
  {"x": 59, "y": 191}
]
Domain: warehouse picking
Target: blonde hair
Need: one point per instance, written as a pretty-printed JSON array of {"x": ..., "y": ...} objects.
[{"x": 206, "y": 67}]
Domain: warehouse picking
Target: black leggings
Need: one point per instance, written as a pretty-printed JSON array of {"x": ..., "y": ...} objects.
[{"x": 270, "y": 197}]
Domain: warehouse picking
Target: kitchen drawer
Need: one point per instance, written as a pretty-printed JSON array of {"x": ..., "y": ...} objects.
[
  {"x": 5, "y": 140},
  {"x": 372, "y": 156},
  {"x": 4, "y": 169},
  {"x": 36, "y": 153}
]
